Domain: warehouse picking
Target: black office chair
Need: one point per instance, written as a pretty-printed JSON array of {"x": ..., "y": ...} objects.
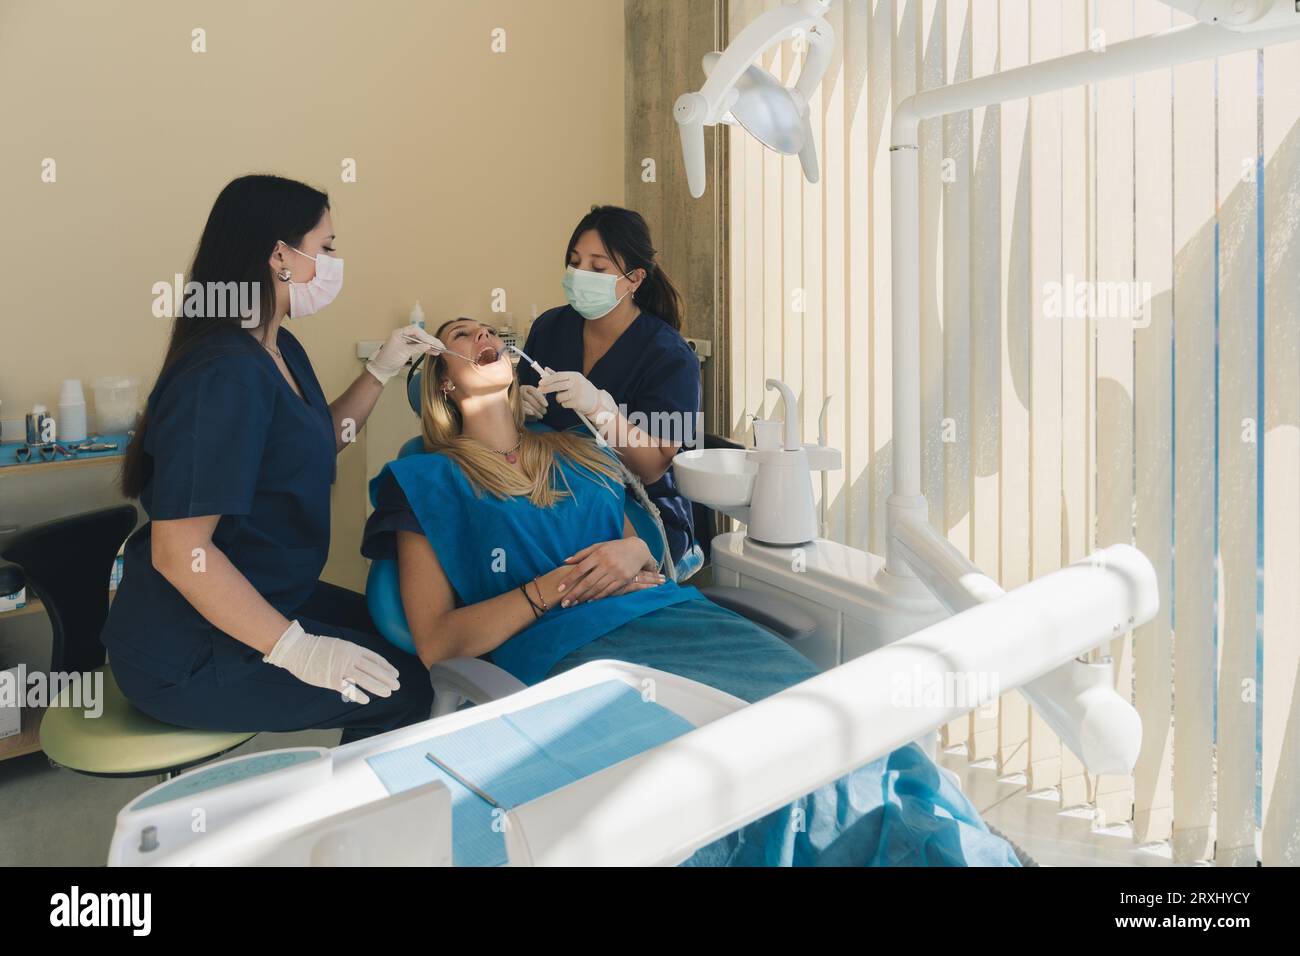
[{"x": 66, "y": 563}]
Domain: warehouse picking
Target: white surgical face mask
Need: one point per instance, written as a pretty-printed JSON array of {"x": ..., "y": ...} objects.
[
  {"x": 592, "y": 294},
  {"x": 307, "y": 298}
]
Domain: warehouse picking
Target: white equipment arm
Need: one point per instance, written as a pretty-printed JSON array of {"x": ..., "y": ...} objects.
[
  {"x": 659, "y": 807},
  {"x": 1078, "y": 700}
]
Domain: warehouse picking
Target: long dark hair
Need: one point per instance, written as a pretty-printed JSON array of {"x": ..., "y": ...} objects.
[
  {"x": 249, "y": 217},
  {"x": 627, "y": 237}
]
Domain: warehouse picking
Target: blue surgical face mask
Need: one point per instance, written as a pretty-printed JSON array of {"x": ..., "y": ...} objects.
[{"x": 592, "y": 294}]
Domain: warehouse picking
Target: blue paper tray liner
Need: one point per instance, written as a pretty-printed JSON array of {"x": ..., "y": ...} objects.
[
  {"x": 8, "y": 450},
  {"x": 526, "y": 754}
]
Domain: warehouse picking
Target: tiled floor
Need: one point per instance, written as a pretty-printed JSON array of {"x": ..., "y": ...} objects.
[
  {"x": 52, "y": 817},
  {"x": 1036, "y": 822}
]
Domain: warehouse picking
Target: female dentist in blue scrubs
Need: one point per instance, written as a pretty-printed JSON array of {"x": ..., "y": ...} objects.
[
  {"x": 221, "y": 621},
  {"x": 621, "y": 361}
]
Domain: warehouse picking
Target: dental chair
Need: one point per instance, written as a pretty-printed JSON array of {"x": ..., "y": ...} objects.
[{"x": 478, "y": 681}]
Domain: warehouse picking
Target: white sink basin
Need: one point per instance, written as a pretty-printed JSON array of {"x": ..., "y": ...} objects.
[{"x": 716, "y": 477}]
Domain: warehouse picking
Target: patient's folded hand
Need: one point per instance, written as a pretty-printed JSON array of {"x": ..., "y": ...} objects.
[
  {"x": 535, "y": 403},
  {"x": 608, "y": 568},
  {"x": 641, "y": 581}
]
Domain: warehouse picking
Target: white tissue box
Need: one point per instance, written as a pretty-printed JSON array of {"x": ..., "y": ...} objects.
[
  {"x": 11, "y": 602},
  {"x": 11, "y": 709}
]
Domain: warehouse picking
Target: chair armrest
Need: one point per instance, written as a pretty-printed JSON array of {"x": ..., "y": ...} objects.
[
  {"x": 469, "y": 679},
  {"x": 778, "y": 615},
  {"x": 12, "y": 578}
]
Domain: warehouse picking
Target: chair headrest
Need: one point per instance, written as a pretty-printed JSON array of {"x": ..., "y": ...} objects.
[{"x": 413, "y": 384}]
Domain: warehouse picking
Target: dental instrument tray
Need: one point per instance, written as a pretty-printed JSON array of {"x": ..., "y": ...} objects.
[{"x": 91, "y": 449}]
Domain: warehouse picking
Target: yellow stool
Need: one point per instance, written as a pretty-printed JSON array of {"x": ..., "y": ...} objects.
[{"x": 122, "y": 741}]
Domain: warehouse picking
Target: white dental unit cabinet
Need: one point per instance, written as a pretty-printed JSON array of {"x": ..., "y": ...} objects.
[
  {"x": 832, "y": 583},
  {"x": 768, "y": 488}
]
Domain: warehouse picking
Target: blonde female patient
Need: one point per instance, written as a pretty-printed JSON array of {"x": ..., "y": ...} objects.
[{"x": 512, "y": 544}]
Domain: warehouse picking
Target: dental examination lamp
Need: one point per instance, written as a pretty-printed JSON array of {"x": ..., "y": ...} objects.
[{"x": 738, "y": 91}]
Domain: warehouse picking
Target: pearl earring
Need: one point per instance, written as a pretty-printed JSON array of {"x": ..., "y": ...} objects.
[{"x": 284, "y": 275}]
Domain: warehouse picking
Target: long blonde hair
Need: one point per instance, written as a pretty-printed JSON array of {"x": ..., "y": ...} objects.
[{"x": 486, "y": 470}]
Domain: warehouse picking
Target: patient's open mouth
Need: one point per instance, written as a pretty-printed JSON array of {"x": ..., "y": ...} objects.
[{"x": 488, "y": 356}]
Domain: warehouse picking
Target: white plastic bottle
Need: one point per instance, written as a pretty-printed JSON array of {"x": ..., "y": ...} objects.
[
  {"x": 417, "y": 315},
  {"x": 72, "y": 411}
]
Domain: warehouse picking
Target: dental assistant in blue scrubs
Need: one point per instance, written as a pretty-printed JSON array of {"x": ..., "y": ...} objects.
[
  {"x": 221, "y": 621},
  {"x": 620, "y": 359}
]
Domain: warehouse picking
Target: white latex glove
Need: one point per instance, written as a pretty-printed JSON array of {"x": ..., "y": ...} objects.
[
  {"x": 535, "y": 403},
  {"x": 574, "y": 391},
  {"x": 402, "y": 346},
  {"x": 334, "y": 664}
]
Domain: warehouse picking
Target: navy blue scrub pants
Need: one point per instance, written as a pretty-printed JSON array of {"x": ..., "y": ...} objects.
[{"x": 233, "y": 689}]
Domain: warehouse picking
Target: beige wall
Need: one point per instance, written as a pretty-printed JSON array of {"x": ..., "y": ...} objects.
[{"x": 472, "y": 167}]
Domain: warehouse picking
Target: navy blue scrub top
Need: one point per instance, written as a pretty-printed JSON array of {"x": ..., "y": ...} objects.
[
  {"x": 226, "y": 435},
  {"x": 648, "y": 369}
]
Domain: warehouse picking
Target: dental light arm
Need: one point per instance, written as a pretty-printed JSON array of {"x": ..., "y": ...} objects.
[
  {"x": 739, "y": 91},
  {"x": 781, "y": 118}
]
